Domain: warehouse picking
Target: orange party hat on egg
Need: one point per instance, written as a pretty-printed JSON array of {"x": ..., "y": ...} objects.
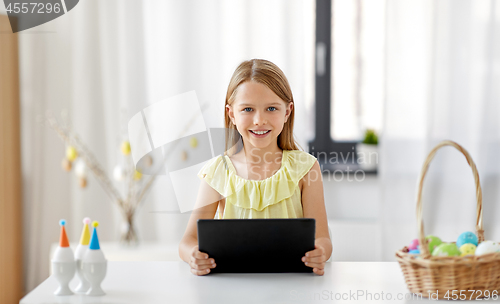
[
  {"x": 85, "y": 238},
  {"x": 63, "y": 238}
]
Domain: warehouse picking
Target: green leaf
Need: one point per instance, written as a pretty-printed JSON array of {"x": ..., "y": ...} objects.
[{"x": 371, "y": 137}]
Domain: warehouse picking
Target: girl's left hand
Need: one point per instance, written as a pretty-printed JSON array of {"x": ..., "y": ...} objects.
[{"x": 316, "y": 259}]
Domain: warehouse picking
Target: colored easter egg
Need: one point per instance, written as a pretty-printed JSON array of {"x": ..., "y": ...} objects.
[
  {"x": 467, "y": 249},
  {"x": 118, "y": 173},
  {"x": 125, "y": 147},
  {"x": 71, "y": 153},
  {"x": 433, "y": 242},
  {"x": 193, "y": 142},
  {"x": 80, "y": 168},
  {"x": 447, "y": 250},
  {"x": 66, "y": 164},
  {"x": 184, "y": 155},
  {"x": 82, "y": 182},
  {"x": 413, "y": 244},
  {"x": 467, "y": 238},
  {"x": 148, "y": 161},
  {"x": 415, "y": 251},
  {"x": 137, "y": 175},
  {"x": 487, "y": 247}
]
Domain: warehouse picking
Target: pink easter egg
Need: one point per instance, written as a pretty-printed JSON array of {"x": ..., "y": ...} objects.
[{"x": 413, "y": 245}]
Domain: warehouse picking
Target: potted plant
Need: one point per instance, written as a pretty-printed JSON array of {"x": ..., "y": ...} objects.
[{"x": 367, "y": 151}]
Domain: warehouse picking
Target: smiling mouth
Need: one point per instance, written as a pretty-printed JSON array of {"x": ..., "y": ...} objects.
[{"x": 260, "y": 133}]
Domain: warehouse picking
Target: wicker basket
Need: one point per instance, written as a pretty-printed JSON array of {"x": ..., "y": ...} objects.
[{"x": 472, "y": 276}]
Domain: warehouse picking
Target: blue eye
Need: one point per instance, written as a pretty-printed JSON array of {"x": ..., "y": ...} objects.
[
  {"x": 274, "y": 109},
  {"x": 245, "y": 109}
]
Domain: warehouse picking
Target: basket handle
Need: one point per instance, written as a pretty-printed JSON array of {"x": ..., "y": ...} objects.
[{"x": 424, "y": 250}]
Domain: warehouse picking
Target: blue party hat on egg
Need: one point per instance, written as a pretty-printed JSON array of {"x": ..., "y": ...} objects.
[{"x": 94, "y": 241}]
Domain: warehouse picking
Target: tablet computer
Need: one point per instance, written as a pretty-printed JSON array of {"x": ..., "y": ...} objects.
[{"x": 257, "y": 245}]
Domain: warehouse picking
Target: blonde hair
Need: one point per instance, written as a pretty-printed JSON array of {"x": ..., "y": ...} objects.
[{"x": 269, "y": 74}]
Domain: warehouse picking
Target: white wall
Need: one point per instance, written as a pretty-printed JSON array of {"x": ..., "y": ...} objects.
[{"x": 353, "y": 214}]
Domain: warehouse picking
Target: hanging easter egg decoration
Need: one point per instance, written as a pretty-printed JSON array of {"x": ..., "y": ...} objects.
[
  {"x": 148, "y": 161},
  {"x": 80, "y": 169},
  {"x": 125, "y": 147},
  {"x": 71, "y": 153},
  {"x": 184, "y": 155},
  {"x": 83, "y": 182},
  {"x": 137, "y": 175},
  {"x": 193, "y": 142},
  {"x": 66, "y": 164},
  {"x": 118, "y": 173}
]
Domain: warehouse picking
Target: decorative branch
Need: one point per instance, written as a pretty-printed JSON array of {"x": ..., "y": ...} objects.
[
  {"x": 134, "y": 195},
  {"x": 87, "y": 157}
]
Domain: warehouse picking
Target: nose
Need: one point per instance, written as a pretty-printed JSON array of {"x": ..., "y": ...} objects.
[{"x": 259, "y": 118}]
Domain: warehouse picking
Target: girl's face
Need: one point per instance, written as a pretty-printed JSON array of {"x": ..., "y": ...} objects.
[{"x": 257, "y": 109}]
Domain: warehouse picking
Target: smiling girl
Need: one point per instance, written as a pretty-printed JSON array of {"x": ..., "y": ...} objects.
[{"x": 266, "y": 176}]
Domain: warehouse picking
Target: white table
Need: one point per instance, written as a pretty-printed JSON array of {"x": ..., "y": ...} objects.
[{"x": 172, "y": 282}]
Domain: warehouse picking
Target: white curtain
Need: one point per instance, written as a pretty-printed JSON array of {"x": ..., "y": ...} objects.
[
  {"x": 442, "y": 76},
  {"x": 106, "y": 60}
]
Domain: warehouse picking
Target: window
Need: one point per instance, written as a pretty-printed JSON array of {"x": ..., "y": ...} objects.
[{"x": 349, "y": 78}]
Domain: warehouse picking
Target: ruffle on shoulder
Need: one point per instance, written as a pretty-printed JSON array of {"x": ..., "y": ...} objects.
[
  {"x": 217, "y": 173},
  {"x": 220, "y": 174}
]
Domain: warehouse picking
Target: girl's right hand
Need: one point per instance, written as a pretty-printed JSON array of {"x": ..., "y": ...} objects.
[{"x": 200, "y": 263}]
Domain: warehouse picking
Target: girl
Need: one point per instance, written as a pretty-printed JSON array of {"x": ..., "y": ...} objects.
[{"x": 266, "y": 176}]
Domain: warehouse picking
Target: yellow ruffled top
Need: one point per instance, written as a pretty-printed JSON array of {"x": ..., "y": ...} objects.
[{"x": 277, "y": 196}]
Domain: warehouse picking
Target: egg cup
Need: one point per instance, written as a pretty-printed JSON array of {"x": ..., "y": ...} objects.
[
  {"x": 63, "y": 272},
  {"x": 84, "y": 285},
  {"x": 94, "y": 272}
]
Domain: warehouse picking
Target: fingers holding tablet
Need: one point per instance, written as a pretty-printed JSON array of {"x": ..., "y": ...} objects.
[
  {"x": 200, "y": 262},
  {"x": 315, "y": 259}
]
